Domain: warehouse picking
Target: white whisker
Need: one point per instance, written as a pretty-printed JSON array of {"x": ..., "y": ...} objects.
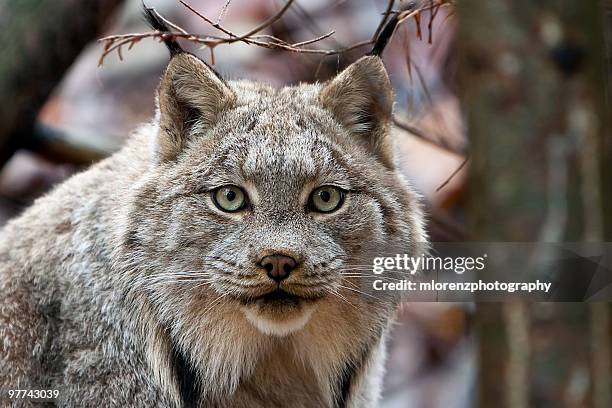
[
  {"x": 358, "y": 291},
  {"x": 341, "y": 297}
]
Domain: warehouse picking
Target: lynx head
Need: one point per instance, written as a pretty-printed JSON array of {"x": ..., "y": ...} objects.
[{"x": 265, "y": 199}]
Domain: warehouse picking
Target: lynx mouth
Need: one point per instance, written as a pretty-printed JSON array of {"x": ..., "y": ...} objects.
[
  {"x": 279, "y": 295},
  {"x": 282, "y": 298}
]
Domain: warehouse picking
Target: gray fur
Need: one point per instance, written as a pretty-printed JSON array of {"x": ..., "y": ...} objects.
[{"x": 102, "y": 277}]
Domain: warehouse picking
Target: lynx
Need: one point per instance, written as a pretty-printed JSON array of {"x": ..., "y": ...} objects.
[{"x": 214, "y": 261}]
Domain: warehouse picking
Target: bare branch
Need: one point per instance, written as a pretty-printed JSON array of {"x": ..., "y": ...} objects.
[{"x": 117, "y": 42}]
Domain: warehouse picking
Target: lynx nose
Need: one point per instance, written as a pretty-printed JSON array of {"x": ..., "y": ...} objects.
[{"x": 278, "y": 266}]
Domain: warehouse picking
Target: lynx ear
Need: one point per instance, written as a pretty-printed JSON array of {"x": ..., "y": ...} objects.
[
  {"x": 190, "y": 94},
  {"x": 361, "y": 98}
]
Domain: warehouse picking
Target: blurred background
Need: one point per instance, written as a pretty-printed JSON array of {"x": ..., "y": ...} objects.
[{"x": 501, "y": 123}]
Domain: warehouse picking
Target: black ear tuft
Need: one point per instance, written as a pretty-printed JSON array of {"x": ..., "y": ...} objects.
[
  {"x": 385, "y": 35},
  {"x": 158, "y": 24}
]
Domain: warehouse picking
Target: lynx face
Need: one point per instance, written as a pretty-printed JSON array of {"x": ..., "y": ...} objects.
[{"x": 266, "y": 199}]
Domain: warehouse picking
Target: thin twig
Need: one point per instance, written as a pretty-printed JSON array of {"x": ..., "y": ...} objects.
[
  {"x": 223, "y": 11},
  {"x": 209, "y": 21},
  {"x": 269, "y": 21},
  {"x": 433, "y": 12},
  {"x": 421, "y": 135},
  {"x": 453, "y": 174},
  {"x": 319, "y": 38}
]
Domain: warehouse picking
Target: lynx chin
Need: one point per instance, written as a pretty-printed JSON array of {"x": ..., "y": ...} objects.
[{"x": 213, "y": 261}]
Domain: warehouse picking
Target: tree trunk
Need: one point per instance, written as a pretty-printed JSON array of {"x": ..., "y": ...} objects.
[
  {"x": 532, "y": 79},
  {"x": 39, "y": 39}
]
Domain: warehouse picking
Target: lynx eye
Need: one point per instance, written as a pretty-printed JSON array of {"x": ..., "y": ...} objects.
[
  {"x": 326, "y": 199},
  {"x": 229, "y": 198}
]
